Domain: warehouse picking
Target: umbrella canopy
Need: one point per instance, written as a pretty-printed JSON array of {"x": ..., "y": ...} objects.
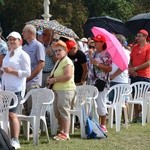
[
  {"x": 114, "y": 47},
  {"x": 138, "y": 22},
  {"x": 112, "y": 25},
  {"x": 40, "y": 24}
]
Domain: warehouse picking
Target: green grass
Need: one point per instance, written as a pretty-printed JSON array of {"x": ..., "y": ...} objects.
[{"x": 135, "y": 137}]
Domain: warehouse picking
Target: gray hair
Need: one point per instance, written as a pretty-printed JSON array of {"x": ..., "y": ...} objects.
[
  {"x": 121, "y": 39},
  {"x": 31, "y": 28}
]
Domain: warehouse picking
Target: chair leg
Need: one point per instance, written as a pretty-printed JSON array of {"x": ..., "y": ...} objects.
[
  {"x": 35, "y": 125},
  {"x": 53, "y": 123},
  {"x": 126, "y": 117},
  {"x": 131, "y": 110},
  {"x": 82, "y": 125},
  {"x": 118, "y": 112},
  {"x": 46, "y": 129},
  {"x": 72, "y": 123},
  {"x": 144, "y": 113},
  {"x": 110, "y": 117},
  {"x": 148, "y": 112}
]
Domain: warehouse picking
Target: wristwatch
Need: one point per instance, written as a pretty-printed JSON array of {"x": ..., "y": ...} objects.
[
  {"x": 55, "y": 80},
  {"x": 97, "y": 64}
]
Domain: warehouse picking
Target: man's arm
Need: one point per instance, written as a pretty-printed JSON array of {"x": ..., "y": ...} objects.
[
  {"x": 38, "y": 68},
  {"x": 115, "y": 74},
  {"x": 85, "y": 72}
]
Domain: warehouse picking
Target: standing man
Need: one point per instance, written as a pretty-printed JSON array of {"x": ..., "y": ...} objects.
[
  {"x": 36, "y": 52},
  {"x": 80, "y": 62},
  {"x": 117, "y": 76},
  {"x": 139, "y": 68},
  {"x": 47, "y": 37},
  {"x": 3, "y": 50}
]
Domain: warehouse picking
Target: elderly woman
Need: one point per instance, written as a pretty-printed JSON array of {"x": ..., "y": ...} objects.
[
  {"x": 101, "y": 65},
  {"x": 64, "y": 89},
  {"x": 16, "y": 67}
]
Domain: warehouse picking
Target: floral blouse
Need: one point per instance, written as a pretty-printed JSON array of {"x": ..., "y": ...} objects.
[{"x": 104, "y": 58}]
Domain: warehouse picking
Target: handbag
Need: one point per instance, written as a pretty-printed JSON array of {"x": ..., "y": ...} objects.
[
  {"x": 50, "y": 86},
  {"x": 100, "y": 84}
]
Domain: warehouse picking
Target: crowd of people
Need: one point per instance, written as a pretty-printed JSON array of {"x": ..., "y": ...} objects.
[{"x": 62, "y": 63}]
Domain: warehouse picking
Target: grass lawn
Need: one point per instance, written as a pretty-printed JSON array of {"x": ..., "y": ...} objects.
[{"x": 135, "y": 137}]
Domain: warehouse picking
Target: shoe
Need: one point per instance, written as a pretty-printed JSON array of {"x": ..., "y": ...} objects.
[
  {"x": 137, "y": 120},
  {"x": 103, "y": 127},
  {"x": 61, "y": 137},
  {"x": 15, "y": 144}
]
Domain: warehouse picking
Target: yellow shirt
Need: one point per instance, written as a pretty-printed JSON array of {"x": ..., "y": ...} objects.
[{"x": 69, "y": 85}]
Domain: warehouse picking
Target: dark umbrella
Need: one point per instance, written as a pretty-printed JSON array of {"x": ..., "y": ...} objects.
[
  {"x": 138, "y": 22},
  {"x": 112, "y": 25}
]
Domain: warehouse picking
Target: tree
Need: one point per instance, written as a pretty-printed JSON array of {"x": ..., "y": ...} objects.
[
  {"x": 120, "y": 9},
  {"x": 70, "y": 13},
  {"x": 14, "y": 14}
]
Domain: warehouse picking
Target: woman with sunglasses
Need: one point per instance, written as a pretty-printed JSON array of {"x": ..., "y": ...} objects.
[
  {"x": 101, "y": 66},
  {"x": 64, "y": 87}
]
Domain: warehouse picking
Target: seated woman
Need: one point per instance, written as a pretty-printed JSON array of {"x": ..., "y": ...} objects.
[{"x": 63, "y": 87}]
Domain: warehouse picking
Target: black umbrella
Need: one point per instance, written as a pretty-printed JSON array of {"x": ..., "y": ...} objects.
[
  {"x": 112, "y": 25},
  {"x": 138, "y": 22}
]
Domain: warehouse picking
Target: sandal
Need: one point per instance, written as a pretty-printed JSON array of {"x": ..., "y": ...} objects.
[{"x": 61, "y": 136}]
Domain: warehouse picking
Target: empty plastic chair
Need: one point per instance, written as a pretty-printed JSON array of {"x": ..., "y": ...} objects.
[
  {"x": 140, "y": 96},
  {"x": 41, "y": 98},
  {"x": 83, "y": 93},
  {"x": 120, "y": 92}
]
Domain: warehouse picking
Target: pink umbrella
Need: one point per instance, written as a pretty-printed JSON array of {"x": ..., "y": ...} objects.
[{"x": 113, "y": 47}]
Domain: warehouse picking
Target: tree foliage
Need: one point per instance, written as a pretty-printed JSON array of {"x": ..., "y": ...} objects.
[{"x": 71, "y": 13}]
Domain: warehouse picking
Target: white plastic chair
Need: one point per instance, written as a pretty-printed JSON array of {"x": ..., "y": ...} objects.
[
  {"x": 140, "y": 96},
  {"x": 83, "y": 93},
  {"x": 53, "y": 121},
  {"x": 120, "y": 92},
  {"x": 148, "y": 110},
  {"x": 41, "y": 98},
  {"x": 5, "y": 100}
]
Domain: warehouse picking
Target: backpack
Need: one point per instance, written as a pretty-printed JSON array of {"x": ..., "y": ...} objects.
[
  {"x": 93, "y": 130},
  {"x": 5, "y": 141},
  {"x": 92, "y": 127}
]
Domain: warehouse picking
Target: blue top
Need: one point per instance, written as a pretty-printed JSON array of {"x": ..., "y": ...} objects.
[{"x": 36, "y": 52}]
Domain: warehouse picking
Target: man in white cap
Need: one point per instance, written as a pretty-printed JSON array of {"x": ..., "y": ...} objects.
[
  {"x": 16, "y": 67},
  {"x": 83, "y": 44}
]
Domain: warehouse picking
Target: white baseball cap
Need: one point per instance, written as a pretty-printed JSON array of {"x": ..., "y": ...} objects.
[
  {"x": 15, "y": 35},
  {"x": 84, "y": 39}
]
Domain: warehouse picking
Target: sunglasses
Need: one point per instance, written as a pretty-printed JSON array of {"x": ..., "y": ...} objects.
[
  {"x": 91, "y": 46},
  {"x": 12, "y": 39},
  {"x": 55, "y": 40}
]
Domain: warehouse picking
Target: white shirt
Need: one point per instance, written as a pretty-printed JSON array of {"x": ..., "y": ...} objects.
[
  {"x": 20, "y": 62},
  {"x": 123, "y": 77}
]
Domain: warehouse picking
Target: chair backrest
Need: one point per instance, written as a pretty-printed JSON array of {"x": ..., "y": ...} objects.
[
  {"x": 41, "y": 97},
  {"x": 5, "y": 99},
  {"x": 84, "y": 93},
  {"x": 120, "y": 91},
  {"x": 140, "y": 90}
]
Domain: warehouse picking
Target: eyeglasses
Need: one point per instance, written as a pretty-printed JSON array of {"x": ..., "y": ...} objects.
[
  {"x": 55, "y": 40},
  {"x": 12, "y": 39},
  {"x": 91, "y": 46},
  {"x": 58, "y": 50}
]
